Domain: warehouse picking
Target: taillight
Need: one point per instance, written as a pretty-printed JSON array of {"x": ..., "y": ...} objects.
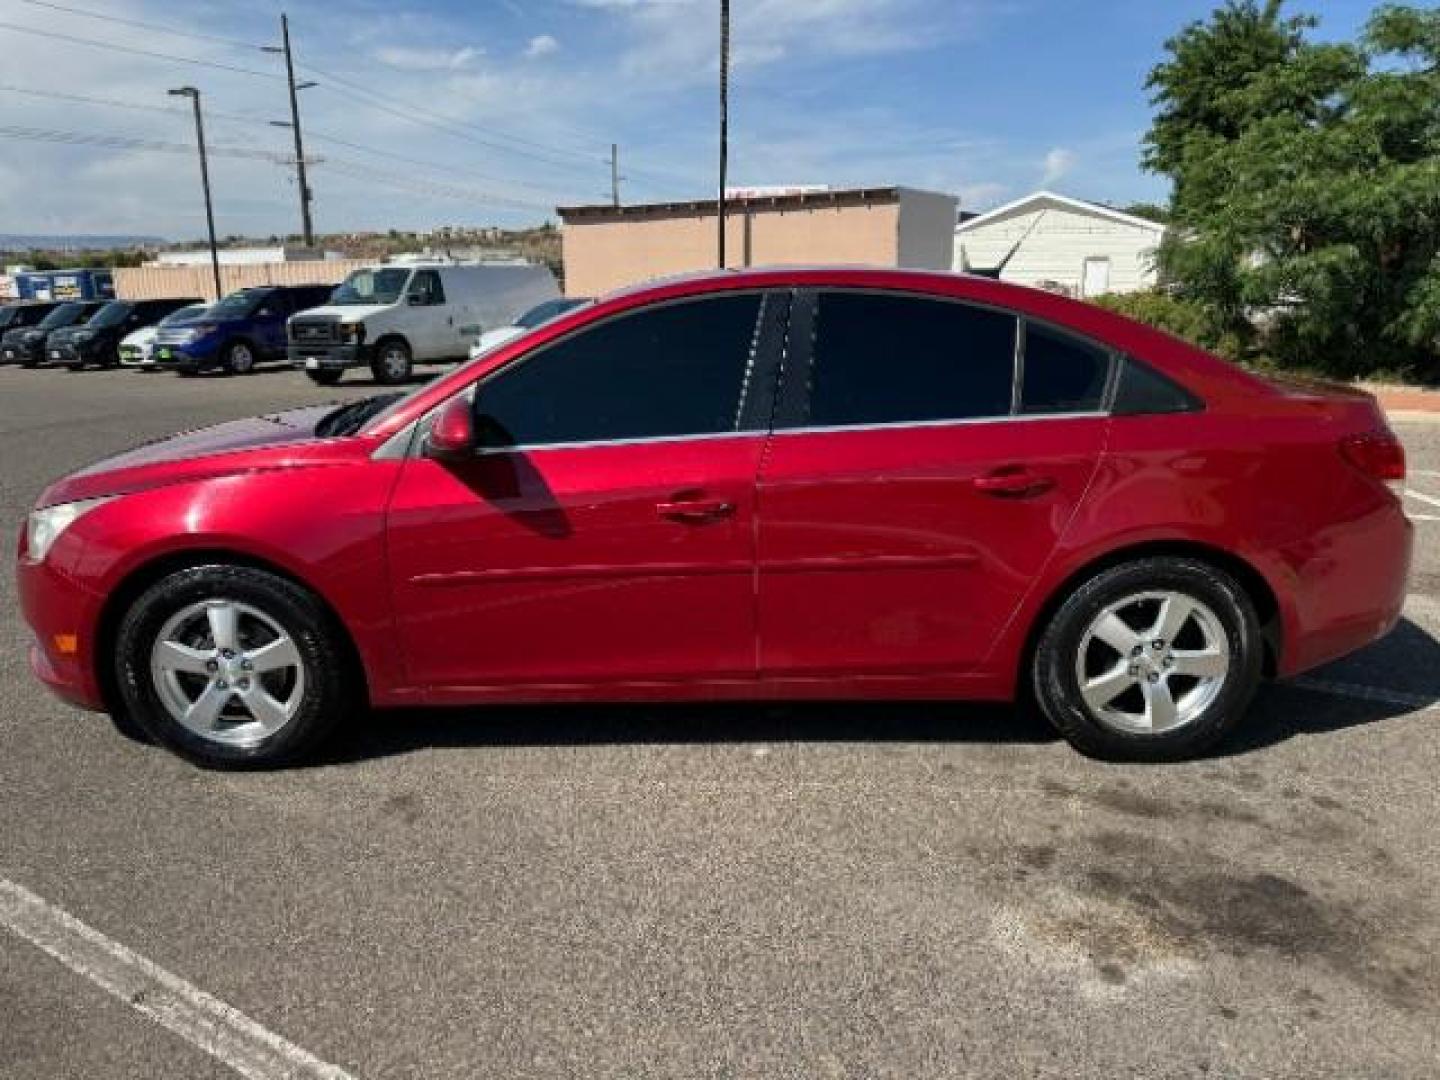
[{"x": 1379, "y": 455}]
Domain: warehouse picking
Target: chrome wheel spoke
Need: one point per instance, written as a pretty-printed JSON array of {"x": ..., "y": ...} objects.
[
  {"x": 1160, "y": 711},
  {"x": 173, "y": 656},
  {"x": 1175, "y": 612},
  {"x": 1105, "y": 688},
  {"x": 1199, "y": 663},
  {"x": 272, "y": 715},
  {"x": 224, "y": 620},
  {"x": 205, "y": 710},
  {"x": 1115, "y": 632},
  {"x": 275, "y": 656}
]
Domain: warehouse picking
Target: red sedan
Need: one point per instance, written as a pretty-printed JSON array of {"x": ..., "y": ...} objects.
[{"x": 823, "y": 484}]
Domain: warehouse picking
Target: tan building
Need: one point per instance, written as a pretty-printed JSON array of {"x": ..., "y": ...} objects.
[{"x": 609, "y": 247}]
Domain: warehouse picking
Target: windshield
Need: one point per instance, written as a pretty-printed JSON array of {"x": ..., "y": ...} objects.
[
  {"x": 63, "y": 315},
  {"x": 112, "y": 314},
  {"x": 348, "y": 419},
  {"x": 185, "y": 314},
  {"x": 543, "y": 313},
  {"x": 240, "y": 304},
  {"x": 382, "y": 286}
]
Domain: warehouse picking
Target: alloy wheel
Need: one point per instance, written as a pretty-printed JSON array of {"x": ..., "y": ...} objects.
[
  {"x": 1152, "y": 663},
  {"x": 227, "y": 672}
]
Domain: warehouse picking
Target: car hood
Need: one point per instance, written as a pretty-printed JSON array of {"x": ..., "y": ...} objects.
[
  {"x": 23, "y": 333},
  {"x": 273, "y": 441},
  {"x": 140, "y": 338},
  {"x": 344, "y": 313}
]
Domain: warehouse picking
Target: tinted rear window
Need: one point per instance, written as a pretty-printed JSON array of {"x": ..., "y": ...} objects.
[
  {"x": 1142, "y": 390},
  {"x": 1062, "y": 373},
  {"x": 890, "y": 359}
]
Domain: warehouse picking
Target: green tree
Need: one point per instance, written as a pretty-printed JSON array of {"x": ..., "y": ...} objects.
[{"x": 1306, "y": 184}]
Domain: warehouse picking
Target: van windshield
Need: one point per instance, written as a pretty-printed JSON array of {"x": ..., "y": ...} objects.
[
  {"x": 240, "y": 305},
  {"x": 382, "y": 286},
  {"x": 112, "y": 314},
  {"x": 63, "y": 315}
]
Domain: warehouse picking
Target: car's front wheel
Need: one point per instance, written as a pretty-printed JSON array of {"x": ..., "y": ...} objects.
[
  {"x": 240, "y": 358},
  {"x": 233, "y": 667},
  {"x": 392, "y": 363},
  {"x": 1153, "y": 660}
]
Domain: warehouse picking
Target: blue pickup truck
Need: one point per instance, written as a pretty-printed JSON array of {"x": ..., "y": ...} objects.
[{"x": 243, "y": 329}]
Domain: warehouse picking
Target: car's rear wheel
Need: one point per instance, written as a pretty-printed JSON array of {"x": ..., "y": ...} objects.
[
  {"x": 233, "y": 667},
  {"x": 392, "y": 362},
  {"x": 1154, "y": 660},
  {"x": 324, "y": 377},
  {"x": 240, "y": 358}
]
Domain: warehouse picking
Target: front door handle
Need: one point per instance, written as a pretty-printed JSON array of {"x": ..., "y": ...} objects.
[
  {"x": 1014, "y": 482},
  {"x": 695, "y": 511}
]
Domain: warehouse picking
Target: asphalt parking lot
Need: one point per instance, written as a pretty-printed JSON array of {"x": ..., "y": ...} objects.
[{"x": 900, "y": 891}]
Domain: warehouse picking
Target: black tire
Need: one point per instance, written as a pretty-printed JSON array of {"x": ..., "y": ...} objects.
[
  {"x": 325, "y": 377},
  {"x": 392, "y": 362},
  {"x": 1057, "y": 681},
  {"x": 331, "y": 685},
  {"x": 78, "y": 365},
  {"x": 239, "y": 358}
]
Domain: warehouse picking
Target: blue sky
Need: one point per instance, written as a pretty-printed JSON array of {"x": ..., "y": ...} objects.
[{"x": 987, "y": 99}]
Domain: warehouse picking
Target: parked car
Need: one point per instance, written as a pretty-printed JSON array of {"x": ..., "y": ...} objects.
[
  {"x": 27, "y": 345},
  {"x": 97, "y": 341},
  {"x": 243, "y": 329},
  {"x": 19, "y": 317},
  {"x": 835, "y": 483},
  {"x": 391, "y": 317},
  {"x": 538, "y": 315},
  {"x": 137, "y": 348}
]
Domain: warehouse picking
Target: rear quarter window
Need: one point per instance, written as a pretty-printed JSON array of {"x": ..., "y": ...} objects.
[{"x": 1143, "y": 390}]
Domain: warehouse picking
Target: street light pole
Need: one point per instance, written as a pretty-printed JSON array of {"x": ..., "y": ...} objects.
[
  {"x": 724, "y": 119},
  {"x": 194, "y": 95},
  {"x": 307, "y": 228}
]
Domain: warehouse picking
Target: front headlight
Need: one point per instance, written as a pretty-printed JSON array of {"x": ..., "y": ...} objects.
[{"x": 44, "y": 527}]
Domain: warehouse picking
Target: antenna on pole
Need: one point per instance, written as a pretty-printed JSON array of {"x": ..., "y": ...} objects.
[{"x": 724, "y": 121}]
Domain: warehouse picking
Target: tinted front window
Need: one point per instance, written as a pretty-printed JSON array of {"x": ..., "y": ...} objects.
[
  {"x": 1062, "y": 373},
  {"x": 677, "y": 369},
  {"x": 889, "y": 359},
  {"x": 426, "y": 285}
]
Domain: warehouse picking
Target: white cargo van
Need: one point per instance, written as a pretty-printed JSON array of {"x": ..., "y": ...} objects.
[{"x": 393, "y": 316}]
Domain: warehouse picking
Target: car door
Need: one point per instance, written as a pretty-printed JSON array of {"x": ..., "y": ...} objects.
[
  {"x": 927, "y": 457},
  {"x": 269, "y": 322},
  {"x": 604, "y": 533},
  {"x": 431, "y": 317}
]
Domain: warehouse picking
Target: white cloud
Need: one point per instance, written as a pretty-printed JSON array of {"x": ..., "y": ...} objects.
[
  {"x": 1058, "y": 164},
  {"x": 427, "y": 59},
  {"x": 541, "y": 45}
]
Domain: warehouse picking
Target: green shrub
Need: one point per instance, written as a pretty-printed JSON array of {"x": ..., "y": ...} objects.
[{"x": 1184, "y": 318}]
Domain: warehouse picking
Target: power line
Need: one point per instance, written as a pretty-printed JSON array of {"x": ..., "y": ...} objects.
[
  {"x": 113, "y": 47},
  {"x": 140, "y": 24},
  {"x": 321, "y": 136},
  {"x": 126, "y": 142}
]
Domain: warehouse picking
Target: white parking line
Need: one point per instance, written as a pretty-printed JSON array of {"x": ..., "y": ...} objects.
[
  {"x": 220, "y": 1030},
  {"x": 1428, "y": 500},
  {"x": 1418, "y": 702}
]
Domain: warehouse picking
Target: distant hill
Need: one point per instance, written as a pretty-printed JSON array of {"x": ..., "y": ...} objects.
[{"x": 78, "y": 242}]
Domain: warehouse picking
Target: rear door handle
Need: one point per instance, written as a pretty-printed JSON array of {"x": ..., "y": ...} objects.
[
  {"x": 695, "y": 510},
  {"x": 1015, "y": 482}
]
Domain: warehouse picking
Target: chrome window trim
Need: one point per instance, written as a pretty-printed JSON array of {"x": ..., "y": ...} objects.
[{"x": 1032, "y": 418}]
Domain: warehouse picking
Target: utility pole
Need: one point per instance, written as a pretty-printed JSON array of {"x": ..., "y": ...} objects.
[
  {"x": 724, "y": 119},
  {"x": 307, "y": 228},
  {"x": 614, "y": 175},
  {"x": 194, "y": 96}
]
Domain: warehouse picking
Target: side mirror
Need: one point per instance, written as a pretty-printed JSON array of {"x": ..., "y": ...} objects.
[{"x": 452, "y": 435}]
